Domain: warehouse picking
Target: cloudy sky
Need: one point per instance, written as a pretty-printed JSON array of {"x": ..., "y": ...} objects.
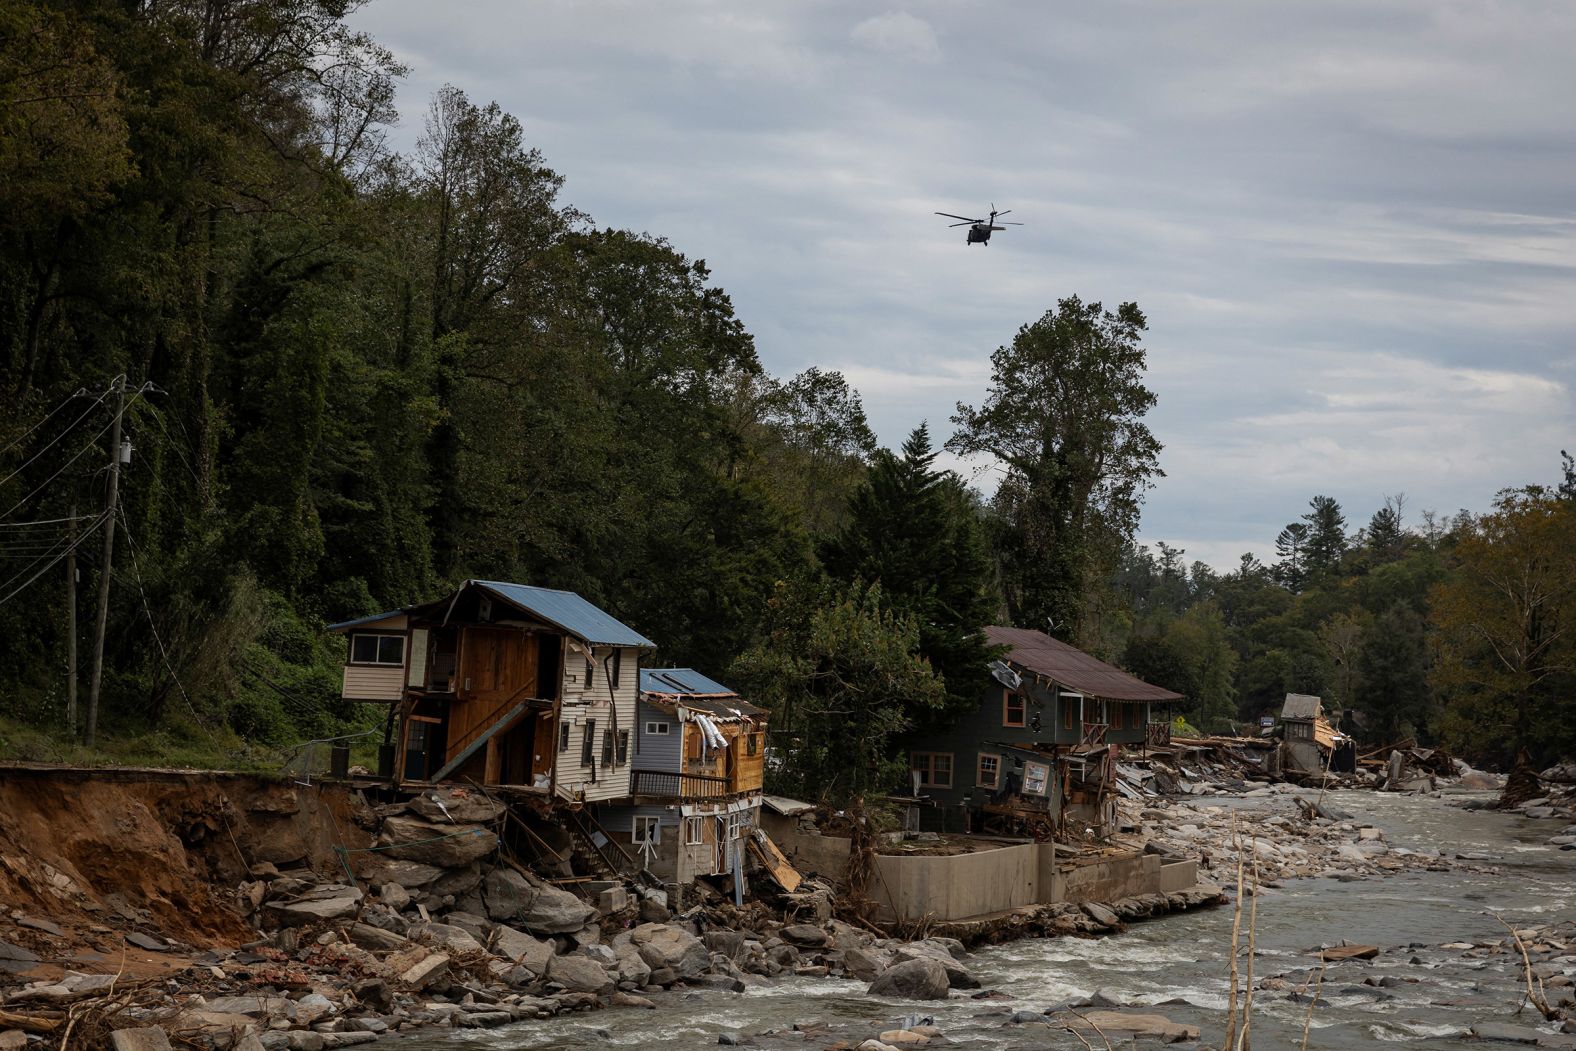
[{"x": 1351, "y": 223}]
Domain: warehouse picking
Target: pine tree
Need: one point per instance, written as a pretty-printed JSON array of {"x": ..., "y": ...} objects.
[
  {"x": 915, "y": 531},
  {"x": 1292, "y": 546},
  {"x": 1326, "y": 535}
]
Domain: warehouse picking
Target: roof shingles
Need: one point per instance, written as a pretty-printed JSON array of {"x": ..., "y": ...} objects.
[{"x": 1072, "y": 668}]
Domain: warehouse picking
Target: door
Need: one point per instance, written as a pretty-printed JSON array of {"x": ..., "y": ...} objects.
[{"x": 497, "y": 664}]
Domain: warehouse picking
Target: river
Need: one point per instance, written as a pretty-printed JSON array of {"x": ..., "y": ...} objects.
[{"x": 1185, "y": 957}]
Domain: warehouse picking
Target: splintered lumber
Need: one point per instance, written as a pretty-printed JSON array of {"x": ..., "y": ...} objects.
[
  {"x": 776, "y": 863},
  {"x": 1349, "y": 952}
]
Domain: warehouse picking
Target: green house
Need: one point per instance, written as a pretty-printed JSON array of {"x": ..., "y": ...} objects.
[{"x": 1040, "y": 749}]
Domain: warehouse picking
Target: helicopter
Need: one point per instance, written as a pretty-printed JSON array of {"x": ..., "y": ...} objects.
[{"x": 981, "y": 229}]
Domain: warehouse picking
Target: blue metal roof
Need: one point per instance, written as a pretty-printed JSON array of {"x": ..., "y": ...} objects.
[
  {"x": 342, "y": 625},
  {"x": 679, "y": 680},
  {"x": 567, "y": 610}
]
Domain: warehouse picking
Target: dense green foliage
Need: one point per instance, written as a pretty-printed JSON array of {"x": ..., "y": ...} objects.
[{"x": 359, "y": 378}]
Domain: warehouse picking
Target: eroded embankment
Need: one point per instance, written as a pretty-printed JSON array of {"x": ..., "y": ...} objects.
[{"x": 112, "y": 852}]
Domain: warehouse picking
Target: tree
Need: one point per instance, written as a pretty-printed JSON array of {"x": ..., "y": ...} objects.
[
  {"x": 1567, "y": 489},
  {"x": 812, "y": 442},
  {"x": 1342, "y": 638},
  {"x": 1292, "y": 547},
  {"x": 1385, "y": 536},
  {"x": 1505, "y": 629},
  {"x": 1064, "y": 418},
  {"x": 915, "y": 531},
  {"x": 1393, "y": 664},
  {"x": 842, "y": 676},
  {"x": 1326, "y": 541}
]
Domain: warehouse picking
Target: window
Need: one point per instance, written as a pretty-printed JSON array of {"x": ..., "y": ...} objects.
[
  {"x": 694, "y": 830},
  {"x": 623, "y": 747},
  {"x": 934, "y": 768},
  {"x": 1035, "y": 778},
  {"x": 989, "y": 775},
  {"x": 752, "y": 744},
  {"x": 1011, "y": 708},
  {"x": 377, "y": 649},
  {"x": 1070, "y": 705},
  {"x": 618, "y": 660},
  {"x": 658, "y": 729},
  {"x": 588, "y": 742},
  {"x": 607, "y": 747},
  {"x": 590, "y": 673},
  {"x": 563, "y": 737},
  {"x": 735, "y": 827},
  {"x": 646, "y": 830},
  {"x": 1117, "y": 718}
]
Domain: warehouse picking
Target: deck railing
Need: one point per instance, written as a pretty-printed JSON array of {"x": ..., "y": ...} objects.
[
  {"x": 1157, "y": 735},
  {"x": 1094, "y": 734},
  {"x": 662, "y": 784}
]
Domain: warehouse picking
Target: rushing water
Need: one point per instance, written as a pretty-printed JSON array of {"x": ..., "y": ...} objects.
[{"x": 1185, "y": 957}]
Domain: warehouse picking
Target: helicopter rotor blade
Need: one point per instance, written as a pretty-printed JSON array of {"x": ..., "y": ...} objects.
[
  {"x": 966, "y": 222},
  {"x": 1007, "y": 212},
  {"x": 1012, "y": 224},
  {"x": 965, "y": 218}
]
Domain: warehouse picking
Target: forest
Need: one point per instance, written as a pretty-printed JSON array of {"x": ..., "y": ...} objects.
[{"x": 350, "y": 377}]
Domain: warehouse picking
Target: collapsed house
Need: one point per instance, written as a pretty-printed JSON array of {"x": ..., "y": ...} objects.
[
  {"x": 1309, "y": 744},
  {"x": 1039, "y": 752},
  {"x": 695, "y": 777},
  {"x": 522, "y": 689}
]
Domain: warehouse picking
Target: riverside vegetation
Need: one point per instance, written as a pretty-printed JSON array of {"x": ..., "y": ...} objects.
[{"x": 358, "y": 356}]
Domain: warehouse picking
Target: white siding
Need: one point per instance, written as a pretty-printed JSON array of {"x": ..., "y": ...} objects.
[
  {"x": 574, "y": 778},
  {"x": 418, "y": 658},
  {"x": 366, "y": 682}
]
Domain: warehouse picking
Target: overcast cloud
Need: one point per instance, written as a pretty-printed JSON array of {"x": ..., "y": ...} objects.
[{"x": 1350, "y": 223}]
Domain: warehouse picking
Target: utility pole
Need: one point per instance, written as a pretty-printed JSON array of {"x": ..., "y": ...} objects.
[
  {"x": 110, "y": 506},
  {"x": 71, "y": 623}
]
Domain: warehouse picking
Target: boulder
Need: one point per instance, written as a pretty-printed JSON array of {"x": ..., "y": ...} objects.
[
  {"x": 1349, "y": 952},
  {"x": 865, "y": 963},
  {"x": 457, "y": 882},
  {"x": 521, "y": 948},
  {"x": 958, "y": 976},
  {"x": 470, "y": 922},
  {"x": 330, "y": 902},
  {"x": 632, "y": 967},
  {"x": 579, "y": 974},
  {"x": 379, "y": 870},
  {"x": 667, "y": 947},
  {"x": 729, "y": 943},
  {"x": 153, "y": 1038},
  {"x": 456, "y": 806},
  {"x": 804, "y": 935},
  {"x": 1505, "y": 1033},
  {"x": 538, "y": 907},
  {"x": 375, "y": 939},
  {"x": 1133, "y": 1025},
  {"x": 445, "y": 936},
  {"x": 1100, "y": 914},
  {"x": 922, "y": 978},
  {"x": 374, "y": 993},
  {"x": 446, "y": 846}
]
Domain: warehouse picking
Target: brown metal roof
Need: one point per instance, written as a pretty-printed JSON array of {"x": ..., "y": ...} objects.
[{"x": 1072, "y": 668}]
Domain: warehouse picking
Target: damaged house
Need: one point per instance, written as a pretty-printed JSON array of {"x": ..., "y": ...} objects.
[
  {"x": 697, "y": 770},
  {"x": 525, "y": 688},
  {"x": 1039, "y": 752}
]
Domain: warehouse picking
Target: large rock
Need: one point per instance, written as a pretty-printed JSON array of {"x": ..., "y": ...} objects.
[
  {"x": 662, "y": 947},
  {"x": 804, "y": 935},
  {"x": 632, "y": 967},
  {"x": 458, "y": 882},
  {"x": 447, "y": 846},
  {"x": 381, "y": 870},
  {"x": 538, "y": 907},
  {"x": 865, "y": 963},
  {"x": 958, "y": 976},
  {"x": 923, "y": 978},
  {"x": 531, "y": 953},
  {"x": 1126, "y": 1025},
  {"x": 152, "y": 1038},
  {"x": 456, "y": 806},
  {"x": 445, "y": 936},
  {"x": 331, "y": 902},
  {"x": 579, "y": 974}
]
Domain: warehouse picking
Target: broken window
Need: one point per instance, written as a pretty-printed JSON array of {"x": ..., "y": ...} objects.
[
  {"x": 588, "y": 742},
  {"x": 694, "y": 830},
  {"x": 1036, "y": 776},
  {"x": 934, "y": 768},
  {"x": 1011, "y": 708},
  {"x": 623, "y": 747},
  {"x": 607, "y": 747},
  {"x": 563, "y": 737},
  {"x": 646, "y": 830},
  {"x": 989, "y": 775}
]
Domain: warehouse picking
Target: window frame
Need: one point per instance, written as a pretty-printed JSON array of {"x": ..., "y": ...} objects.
[
  {"x": 1029, "y": 779},
  {"x": 640, "y": 828},
  {"x": 1070, "y": 720},
  {"x": 694, "y": 831},
  {"x": 563, "y": 737},
  {"x": 622, "y": 755},
  {"x": 380, "y": 638},
  {"x": 615, "y": 674},
  {"x": 609, "y": 744},
  {"x": 752, "y": 743},
  {"x": 588, "y": 742},
  {"x": 1007, "y": 697},
  {"x": 657, "y": 728},
  {"x": 979, "y": 770},
  {"x": 928, "y": 771}
]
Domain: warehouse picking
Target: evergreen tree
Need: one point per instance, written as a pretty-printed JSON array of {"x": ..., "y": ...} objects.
[
  {"x": 1385, "y": 538},
  {"x": 1393, "y": 665},
  {"x": 1292, "y": 547},
  {"x": 915, "y": 531},
  {"x": 1326, "y": 541}
]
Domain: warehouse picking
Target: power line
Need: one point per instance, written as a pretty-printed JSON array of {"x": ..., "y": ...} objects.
[
  {"x": 69, "y": 428},
  {"x": 44, "y": 522},
  {"x": 9, "y": 595},
  {"x": 81, "y": 392},
  {"x": 82, "y": 452}
]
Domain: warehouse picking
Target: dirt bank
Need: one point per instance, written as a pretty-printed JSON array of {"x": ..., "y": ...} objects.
[{"x": 102, "y": 854}]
